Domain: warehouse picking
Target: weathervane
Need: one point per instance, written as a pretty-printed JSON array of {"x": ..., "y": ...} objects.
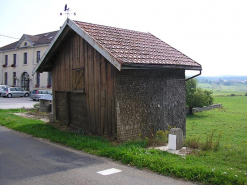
[{"x": 66, "y": 10}]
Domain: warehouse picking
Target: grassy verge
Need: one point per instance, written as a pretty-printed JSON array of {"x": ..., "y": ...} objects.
[{"x": 221, "y": 167}]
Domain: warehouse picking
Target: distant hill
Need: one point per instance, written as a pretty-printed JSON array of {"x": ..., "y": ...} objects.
[{"x": 227, "y": 78}]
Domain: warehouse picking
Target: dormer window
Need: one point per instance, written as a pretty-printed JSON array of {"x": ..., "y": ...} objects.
[
  {"x": 51, "y": 37},
  {"x": 46, "y": 35}
]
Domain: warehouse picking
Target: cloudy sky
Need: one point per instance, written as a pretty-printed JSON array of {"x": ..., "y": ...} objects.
[{"x": 212, "y": 32}]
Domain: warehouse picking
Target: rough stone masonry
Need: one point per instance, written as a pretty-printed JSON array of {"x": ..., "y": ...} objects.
[{"x": 148, "y": 101}]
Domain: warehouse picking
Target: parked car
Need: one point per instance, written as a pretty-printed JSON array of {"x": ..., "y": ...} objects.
[
  {"x": 38, "y": 93},
  {"x": 14, "y": 92},
  {"x": 2, "y": 87}
]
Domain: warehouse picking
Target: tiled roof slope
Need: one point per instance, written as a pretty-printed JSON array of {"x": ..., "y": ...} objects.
[
  {"x": 9, "y": 46},
  {"x": 133, "y": 47},
  {"x": 40, "y": 39},
  {"x": 45, "y": 38},
  {"x": 32, "y": 38}
]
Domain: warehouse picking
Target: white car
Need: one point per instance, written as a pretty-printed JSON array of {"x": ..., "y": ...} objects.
[{"x": 2, "y": 87}]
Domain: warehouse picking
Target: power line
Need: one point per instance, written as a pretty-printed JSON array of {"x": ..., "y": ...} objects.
[{"x": 8, "y": 36}]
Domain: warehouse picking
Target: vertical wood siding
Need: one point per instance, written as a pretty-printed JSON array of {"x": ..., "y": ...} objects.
[{"x": 79, "y": 68}]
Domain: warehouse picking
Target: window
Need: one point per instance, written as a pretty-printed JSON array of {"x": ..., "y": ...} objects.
[
  {"x": 14, "y": 78},
  {"x": 14, "y": 59},
  {"x": 50, "y": 37},
  {"x": 38, "y": 56},
  {"x": 38, "y": 79},
  {"x": 6, "y": 60},
  {"x": 25, "y": 58},
  {"x": 49, "y": 80},
  {"x": 6, "y": 78}
]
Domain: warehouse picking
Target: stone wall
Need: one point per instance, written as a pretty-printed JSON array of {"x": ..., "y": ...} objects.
[
  {"x": 71, "y": 109},
  {"x": 148, "y": 101},
  {"x": 205, "y": 108},
  {"x": 44, "y": 105}
]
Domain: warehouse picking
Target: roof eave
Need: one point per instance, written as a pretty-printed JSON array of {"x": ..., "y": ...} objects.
[
  {"x": 2, "y": 51},
  {"x": 160, "y": 66},
  {"x": 39, "y": 45}
]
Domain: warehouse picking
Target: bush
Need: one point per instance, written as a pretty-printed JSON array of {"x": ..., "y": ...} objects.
[
  {"x": 197, "y": 97},
  {"x": 160, "y": 138}
]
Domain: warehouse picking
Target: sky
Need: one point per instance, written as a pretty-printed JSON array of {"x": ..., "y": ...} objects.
[{"x": 211, "y": 32}]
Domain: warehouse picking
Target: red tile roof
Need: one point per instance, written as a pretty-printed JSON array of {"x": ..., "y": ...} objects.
[{"x": 133, "y": 47}]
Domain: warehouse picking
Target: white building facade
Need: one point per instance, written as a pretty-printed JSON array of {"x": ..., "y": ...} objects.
[{"x": 20, "y": 58}]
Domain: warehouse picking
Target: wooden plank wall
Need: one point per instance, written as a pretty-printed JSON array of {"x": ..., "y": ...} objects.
[
  {"x": 78, "y": 110},
  {"x": 81, "y": 69}
]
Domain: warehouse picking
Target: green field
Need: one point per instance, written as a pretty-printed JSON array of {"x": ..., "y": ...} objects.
[
  {"x": 229, "y": 123},
  {"x": 223, "y": 90},
  {"x": 231, "y": 120}
]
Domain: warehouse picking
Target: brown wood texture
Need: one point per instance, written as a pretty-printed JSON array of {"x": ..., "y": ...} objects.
[{"x": 80, "y": 68}]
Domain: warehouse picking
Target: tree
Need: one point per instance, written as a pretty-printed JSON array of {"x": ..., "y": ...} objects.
[{"x": 197, "y": 97}]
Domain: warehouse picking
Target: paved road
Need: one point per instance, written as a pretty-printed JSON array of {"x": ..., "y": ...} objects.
[
  {"x": 18, "y": 102},
  {"x": 26, "y": 160}
]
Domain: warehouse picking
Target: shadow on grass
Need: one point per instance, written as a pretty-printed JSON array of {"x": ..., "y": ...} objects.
[{"x": 196, "y": 116}]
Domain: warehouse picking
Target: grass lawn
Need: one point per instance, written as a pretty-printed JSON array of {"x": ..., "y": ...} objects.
[
  {"x": 228, "y": 165},
  {"x": 230, "y": 121},
  {"x": 230, "y": 124}
]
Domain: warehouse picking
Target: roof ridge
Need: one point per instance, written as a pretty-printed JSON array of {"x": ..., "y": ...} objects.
[
  {"x": 111, "y": 27},
  {"x": 46, "y": 33}
]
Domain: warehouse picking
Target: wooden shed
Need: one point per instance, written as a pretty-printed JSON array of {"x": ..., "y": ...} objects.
[{"x": 116, "y": 82}]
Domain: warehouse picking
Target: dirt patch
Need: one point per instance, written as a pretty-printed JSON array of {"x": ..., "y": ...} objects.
[
  {"x": 184, "y": 151},
  {"x": 44, "y": 118}
]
